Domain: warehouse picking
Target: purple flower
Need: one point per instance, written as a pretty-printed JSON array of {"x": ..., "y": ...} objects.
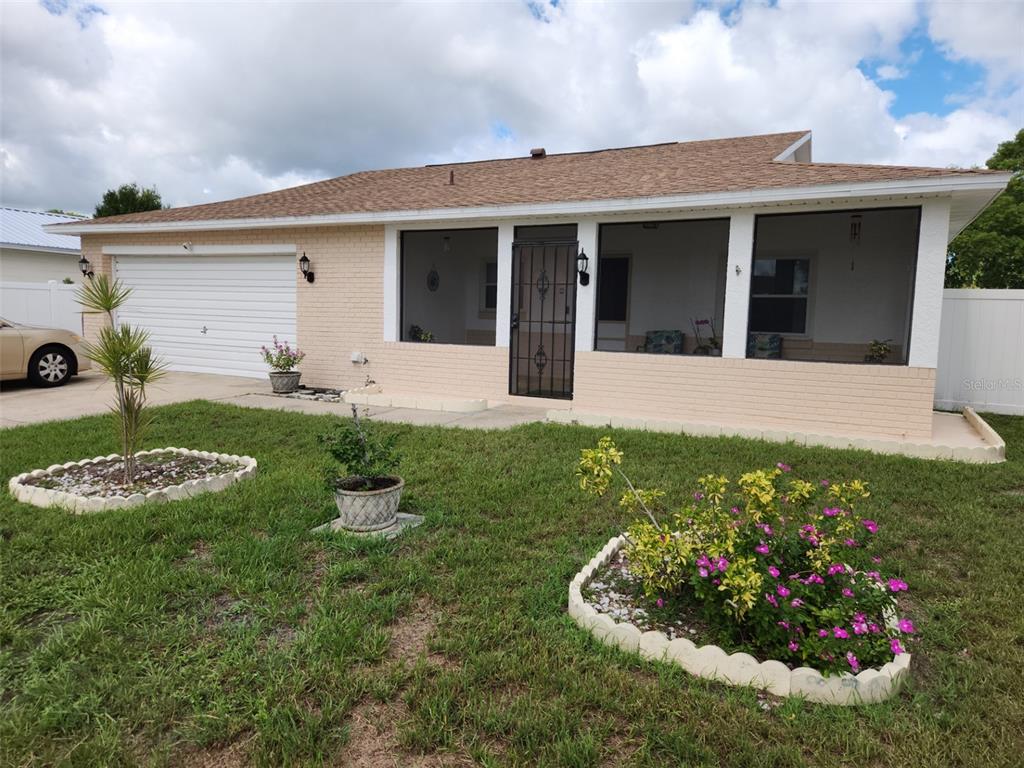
[
  {"x": 876, "y": 559},
  {"x": 841, "y": 633},
  {"x": 762, "y": 548},
  {"x": 831, "y": 511},
  {"x": 836, "y": 568},
  {"x": 698, "y": 496},
  {"x": 873, "y": 628},
  {"x": 660, "y": 603},
  {"x": 860, "y": 628},
  {"x": 794, "y": 646},
  {"x": 773, "y": 571},
  {"x": 822, "y": 633},
  {"x": 895, "y": 647},
  {"x": 703, "y": 572},
  {"x": 898, "y": 585},
  {"x": 906, "y": 626},
  {"x": 824, "y": 483},
  {"x": 783, "y": 624},
  {"x": 771, "y": 599},
  {"x": 847, "y": 592},
  {"x": 851, "y": 543},
  {"x": 814, "y": 579},
  {"x": 852, "y": 661},
  {"x": 784, "y": 467},
  {"x": 871, "y": 525},
  {"x": 722, "y": 564},
  {"x": 796, "y": 602},
  {"x": 783, "y": 591},
  {"x": 875, "y": 575}
]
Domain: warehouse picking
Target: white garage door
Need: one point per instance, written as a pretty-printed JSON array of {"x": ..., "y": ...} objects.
[{"x": 210, "y": 314}]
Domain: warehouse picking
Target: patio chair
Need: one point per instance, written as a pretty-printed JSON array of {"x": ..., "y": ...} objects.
[
  {"x": 766, "y": 346},
  {"x": 662, "y": 343}
]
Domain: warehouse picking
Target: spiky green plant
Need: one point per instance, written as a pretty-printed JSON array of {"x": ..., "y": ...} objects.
[{"x": 122, "y": 353}]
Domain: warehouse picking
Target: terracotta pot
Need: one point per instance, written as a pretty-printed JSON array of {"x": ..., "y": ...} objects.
[
  {"x": 368, "y": 510},
  {"x": 283, "y": 382}
]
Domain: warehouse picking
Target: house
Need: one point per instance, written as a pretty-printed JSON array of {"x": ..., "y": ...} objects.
[
  {"x": 730, "y": 281},
  {"x": 30, "y": 254}
]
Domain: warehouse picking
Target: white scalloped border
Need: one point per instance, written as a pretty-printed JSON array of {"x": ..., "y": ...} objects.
[
  {"x": 741, "y": 669},
  {"x": 46, "y": 497}
]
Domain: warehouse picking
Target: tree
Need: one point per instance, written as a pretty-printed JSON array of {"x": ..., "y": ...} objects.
[
  {"x": 990, "y": 252},
  {"x": 128, "y": 198},
  {"x": 122, "y": 353}
]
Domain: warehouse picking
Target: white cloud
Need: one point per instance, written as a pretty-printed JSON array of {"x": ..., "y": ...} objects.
[
  {"x": 211, "y": 101},
  {"x": 991, "y": 33},
  {"x": 890, "y": 72}
]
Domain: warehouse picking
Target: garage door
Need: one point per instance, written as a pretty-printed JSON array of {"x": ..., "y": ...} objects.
[{"x": 210, "y": 314}]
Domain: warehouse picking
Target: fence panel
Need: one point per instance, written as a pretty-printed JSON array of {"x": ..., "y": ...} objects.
[
  {"x": 49, "y": 304},
  {"x": 981, "y": 351}
]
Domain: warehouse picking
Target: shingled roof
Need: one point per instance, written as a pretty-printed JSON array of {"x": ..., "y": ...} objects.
[{"x": 658, "y": 170}]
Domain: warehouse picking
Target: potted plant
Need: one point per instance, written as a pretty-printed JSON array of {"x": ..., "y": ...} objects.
[
  {"x": 707, "y": 343},
  {"x": 366, "y": 490},
  {"x": 878, "y": 351},
  {"x": 282, "y": 360}
]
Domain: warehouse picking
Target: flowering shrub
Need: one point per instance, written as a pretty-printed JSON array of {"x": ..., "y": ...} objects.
[
  {"x": 778, "y": 563},
  {"x": 281, "y": 357}
]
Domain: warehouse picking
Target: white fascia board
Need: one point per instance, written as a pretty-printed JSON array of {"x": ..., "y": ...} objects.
[
  {"x": 39, "y": 249},
  {"x": 926, "y": 186},
  {"x": 789, "y": 151},
  {"x": 200, "y": 250}
]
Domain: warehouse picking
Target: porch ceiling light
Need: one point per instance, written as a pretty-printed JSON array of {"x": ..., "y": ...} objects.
[
  {"x": 582, "y": 262},
  {"x": 85, "y": 266},
  {"x": 304, "y": 268}
]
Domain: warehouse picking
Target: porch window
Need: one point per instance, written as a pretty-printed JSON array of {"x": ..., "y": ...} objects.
[
  {"x": 661, "y": 287},
  {"x": 449, "y": 281},
  {"x": 834, "y": 286}
]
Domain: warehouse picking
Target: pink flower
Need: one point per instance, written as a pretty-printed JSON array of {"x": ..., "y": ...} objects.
[
  {"x": 794, "y": 646},
  {"x": 873, "y": 628},
  {"x": 698, "y": 496},
  {"x": 897, "y": 585},
  {"x": 895, "y": 647},
  {"x": 703, "y": 572},
  {"x": 836, "y": 568},
  {"x": 847, "y": 592},
  {"x": 830, "y": 511},
  {"x": 771, "y": 599},
  {"x": 841, "y": 633},
  {"x": 773, "y": 571},
  {"x": 796, "y": 602},
  {"x": 871, "y": 525},
  {"x": 851, "y": 543},
  {"x": 722, "y": 564},
  {"x": 762, "y": 548},
  {"x": 784, "y": 467},
  {"x": 783, "y": 591},
  {"x": 660, "y": 603},
  {"x": 783, "y": 624},
  {"x": 852, "y": 661},
  {"x": 876, "y": 559},
  {"x": 875, "y": 575},
  {"x": 860, "y": 628},
  {"x": 814, "y": 579},
  {"x": 906, "y": 626},
  {"x": 822, "y": 633},
  {"x": 824, "y": 483}
]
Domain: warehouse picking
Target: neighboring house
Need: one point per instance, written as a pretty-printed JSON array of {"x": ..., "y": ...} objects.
[
  {"x": 581, "y": 280},
  {"x": 29, "y": 254}
]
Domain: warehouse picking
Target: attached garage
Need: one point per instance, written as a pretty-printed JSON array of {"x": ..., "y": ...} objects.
[{"x": 209, "y": 309}]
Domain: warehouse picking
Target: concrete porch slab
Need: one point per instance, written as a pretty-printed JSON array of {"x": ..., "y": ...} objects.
[{"x": 955, "y": 436}]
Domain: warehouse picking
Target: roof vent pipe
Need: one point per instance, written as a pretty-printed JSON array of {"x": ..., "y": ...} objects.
[
  {"x": 538, "y": 152},
  {"x": 451, "y": 178}
]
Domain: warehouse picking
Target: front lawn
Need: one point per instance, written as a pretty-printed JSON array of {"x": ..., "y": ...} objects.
[{"x": 219, "y": 629}]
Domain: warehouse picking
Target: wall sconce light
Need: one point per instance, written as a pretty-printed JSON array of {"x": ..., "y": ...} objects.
[
  {"x": 85, "y": 266},
  {"x": 582, "y": 262},
  {"x": 304, "y": 268},
  {"x": 855, "y": 226}
]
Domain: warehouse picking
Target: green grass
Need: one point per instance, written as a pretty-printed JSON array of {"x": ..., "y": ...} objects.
[{"x": 147, "y": 636}]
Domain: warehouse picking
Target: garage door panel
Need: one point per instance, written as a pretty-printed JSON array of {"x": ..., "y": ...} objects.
[{"x": 240, "y": 301}]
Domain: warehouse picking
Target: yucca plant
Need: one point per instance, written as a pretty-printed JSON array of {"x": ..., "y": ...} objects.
[{"x": 123, "y": 354}]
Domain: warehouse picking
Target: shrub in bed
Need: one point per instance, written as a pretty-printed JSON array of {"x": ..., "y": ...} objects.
[{"x": 780, "y": 565}]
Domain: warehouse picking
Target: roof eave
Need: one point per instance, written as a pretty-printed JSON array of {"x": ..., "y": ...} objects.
[{"x": 936, "y": 185}]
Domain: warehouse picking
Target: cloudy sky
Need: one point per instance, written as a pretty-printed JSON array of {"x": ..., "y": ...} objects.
[{"x": 209, "y": 101}]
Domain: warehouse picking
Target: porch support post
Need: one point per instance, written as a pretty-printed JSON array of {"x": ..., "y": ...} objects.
[
  {"x": 737, "y": 285},
  {"x": 586, "y": 295},
  {"x": 392, "y": 283},
  {"x": 928, "y": 282},
  {"x": 503, "y": 312}
]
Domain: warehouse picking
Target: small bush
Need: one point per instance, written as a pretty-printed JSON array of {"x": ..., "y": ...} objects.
[
  {"x": 781, "y": 564},
  {"x": 362, "y": 454}
]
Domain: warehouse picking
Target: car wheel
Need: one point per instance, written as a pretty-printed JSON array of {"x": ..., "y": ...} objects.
[{"x": 50, "y": 366}]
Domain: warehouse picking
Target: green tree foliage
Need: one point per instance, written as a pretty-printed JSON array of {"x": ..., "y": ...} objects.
[
  {"x": 128, "y": 198},
  {"x": 123, "y": 354},
  {"x": 990, "y": 252}
]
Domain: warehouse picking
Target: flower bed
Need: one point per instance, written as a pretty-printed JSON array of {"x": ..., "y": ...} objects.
[
  {"x": 93, "y": 485},
  {"x": 772, "y": 564},
  {"x": 740, "y": 669}
]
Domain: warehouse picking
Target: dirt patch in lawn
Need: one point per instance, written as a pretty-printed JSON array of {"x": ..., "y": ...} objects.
[
  {"x": 410, "y": 635},
  {"x": 153, "y": 472},
  {"x": 233, "y": 755},
  {"x": 373, "y": 741},
  {"x": 226, "y": 610}
]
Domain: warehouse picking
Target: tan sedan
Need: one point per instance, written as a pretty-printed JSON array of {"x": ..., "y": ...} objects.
[{"x": 48, "y": 357}]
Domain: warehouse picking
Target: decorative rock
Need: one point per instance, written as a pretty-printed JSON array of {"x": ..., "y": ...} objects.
[{"x": 710, "y": 661}]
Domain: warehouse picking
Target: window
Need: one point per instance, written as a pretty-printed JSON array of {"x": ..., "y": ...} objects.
[
  {"x": 489, "y": 287},
  {"x": 778, "y": 295},
  {"x": 613, "y": 294}
]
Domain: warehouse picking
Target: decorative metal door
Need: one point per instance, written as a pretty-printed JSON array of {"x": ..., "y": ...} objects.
[{"x": 543, "y": 337}]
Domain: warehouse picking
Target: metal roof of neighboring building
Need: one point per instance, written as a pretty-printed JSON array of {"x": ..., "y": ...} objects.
[{"x": 24, "y": 229}]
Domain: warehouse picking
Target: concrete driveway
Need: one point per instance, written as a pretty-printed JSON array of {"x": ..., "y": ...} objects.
[{"x": 91, "y": 393}]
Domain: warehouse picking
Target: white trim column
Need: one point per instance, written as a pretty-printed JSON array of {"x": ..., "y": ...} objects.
[
  {"x": 503, "y": 313},
  {"x": 392, "y": 285},
  {"x": 586, "y": 295},
  {"x": 737, "y": 285},
  {"x": 928, "y": 282}
]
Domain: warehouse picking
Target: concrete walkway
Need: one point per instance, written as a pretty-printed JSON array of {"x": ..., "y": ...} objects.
[{"x": 91, "y": 393}]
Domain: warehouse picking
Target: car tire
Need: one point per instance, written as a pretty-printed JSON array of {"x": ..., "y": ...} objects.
[{"x": 51, "y": 366}]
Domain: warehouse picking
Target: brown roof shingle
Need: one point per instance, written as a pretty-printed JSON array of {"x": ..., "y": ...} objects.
[{"x": 694, "y": 167}]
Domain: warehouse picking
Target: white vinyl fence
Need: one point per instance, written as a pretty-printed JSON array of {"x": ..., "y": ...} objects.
[
  {"x": 981, "y": 351},
  {"x": 49, "y": 304}
]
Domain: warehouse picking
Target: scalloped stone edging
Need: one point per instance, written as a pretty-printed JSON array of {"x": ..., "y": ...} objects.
[
  {"x": 46, "y": 497},
  {"x": 741, "y": 669}
]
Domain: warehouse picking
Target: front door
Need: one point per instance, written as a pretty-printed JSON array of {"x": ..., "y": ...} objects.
[{"x": 543, "y": 335}]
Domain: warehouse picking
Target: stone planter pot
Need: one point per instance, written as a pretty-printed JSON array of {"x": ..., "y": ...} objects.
[
  {"x": 283, "y": 382},
  {"x": 368, "y": 510}
]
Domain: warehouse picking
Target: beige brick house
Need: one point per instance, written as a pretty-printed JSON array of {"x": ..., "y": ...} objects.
[{"x": 727, "y": 281}]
